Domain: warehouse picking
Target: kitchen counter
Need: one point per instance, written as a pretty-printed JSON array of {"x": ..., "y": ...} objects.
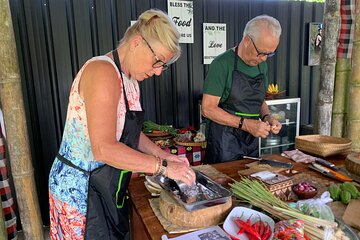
[{"x": 144, "y": 223}]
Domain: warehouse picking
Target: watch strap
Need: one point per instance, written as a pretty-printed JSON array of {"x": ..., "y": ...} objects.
[
  {"x": 241, "y": 122},
  {"x": 163, "y": 167}
]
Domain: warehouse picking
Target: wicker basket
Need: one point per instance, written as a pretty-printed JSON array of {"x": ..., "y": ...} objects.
[
  {"x": 352, "y": 163},
  {"x": 323, "y": 145}
]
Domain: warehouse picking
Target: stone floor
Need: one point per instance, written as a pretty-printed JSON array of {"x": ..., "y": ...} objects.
[{"x": 46, "y": 234}]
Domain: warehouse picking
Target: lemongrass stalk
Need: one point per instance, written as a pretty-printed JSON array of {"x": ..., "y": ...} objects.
[
  {"x": 310, "y": 219},
  {"x": 258, "y": 189}
]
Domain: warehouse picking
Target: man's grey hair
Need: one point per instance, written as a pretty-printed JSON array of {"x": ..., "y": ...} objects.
[{"x": 257, "y": 24}]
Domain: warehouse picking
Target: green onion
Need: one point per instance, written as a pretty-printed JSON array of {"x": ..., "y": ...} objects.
[{"x": 149, "y": 126}]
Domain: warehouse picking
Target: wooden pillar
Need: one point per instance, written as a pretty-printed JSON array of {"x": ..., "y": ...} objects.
[
  {"x": 17, "y": 134},
  {"x": 327, "y": 66},
  {"x": 353, "y": 116}
]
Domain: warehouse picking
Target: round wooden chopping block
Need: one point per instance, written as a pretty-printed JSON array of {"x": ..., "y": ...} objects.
[
  {"x": 177, "y": 214},
  {"x": 352, "y": 163}
]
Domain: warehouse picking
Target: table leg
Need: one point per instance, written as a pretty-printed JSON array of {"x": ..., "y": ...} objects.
[{"x": 137, "y": 227}]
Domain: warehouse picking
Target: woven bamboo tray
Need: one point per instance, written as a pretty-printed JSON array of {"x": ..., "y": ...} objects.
[
  {"x": 190, "y": 144},
  {"x": 323, "y": 145}
]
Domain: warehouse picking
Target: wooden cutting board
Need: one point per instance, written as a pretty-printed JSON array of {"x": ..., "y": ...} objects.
[
  {"x": 256, "y": 167},
  {"x": 352, "y": 214}
]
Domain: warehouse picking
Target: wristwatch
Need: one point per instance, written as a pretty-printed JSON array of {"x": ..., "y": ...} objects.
[
  {"x": 241, "y": 122},
  {"x": 163, "y": 167}
]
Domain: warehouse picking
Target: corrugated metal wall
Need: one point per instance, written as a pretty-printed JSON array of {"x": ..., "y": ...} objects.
[{"x": 55, "y": 37}]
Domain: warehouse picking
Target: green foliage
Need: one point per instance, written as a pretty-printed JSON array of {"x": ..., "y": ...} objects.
[{"x": 149, "y": 126}]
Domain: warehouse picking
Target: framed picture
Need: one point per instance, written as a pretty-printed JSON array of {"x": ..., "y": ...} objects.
[{"x": 315, "y": 37}]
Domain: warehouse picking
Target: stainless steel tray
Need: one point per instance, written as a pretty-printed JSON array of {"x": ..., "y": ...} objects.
[{"x": 205, "y": 193}]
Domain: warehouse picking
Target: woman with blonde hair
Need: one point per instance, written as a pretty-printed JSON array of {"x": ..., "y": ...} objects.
[{"x": 102, "y": 140}]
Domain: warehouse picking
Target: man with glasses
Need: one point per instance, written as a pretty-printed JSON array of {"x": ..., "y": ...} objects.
[{"x": 234, "y": 94}]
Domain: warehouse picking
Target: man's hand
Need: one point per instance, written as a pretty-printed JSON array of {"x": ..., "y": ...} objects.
[
  {"x": 256, "y": 128},
  {"x": 275, "y": 126}
]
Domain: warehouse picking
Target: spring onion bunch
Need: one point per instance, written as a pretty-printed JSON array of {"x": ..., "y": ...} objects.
[{"x": 149, "y": 126}]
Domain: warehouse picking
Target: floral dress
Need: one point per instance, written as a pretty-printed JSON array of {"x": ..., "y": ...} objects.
[{"x": 68, "y": 186}]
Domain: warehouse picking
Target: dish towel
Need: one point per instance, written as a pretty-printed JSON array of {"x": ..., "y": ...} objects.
[{"x": 298, "y": 156}]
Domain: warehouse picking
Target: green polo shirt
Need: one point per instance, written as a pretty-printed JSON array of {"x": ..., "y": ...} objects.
[{"x": 218, "y": 79}]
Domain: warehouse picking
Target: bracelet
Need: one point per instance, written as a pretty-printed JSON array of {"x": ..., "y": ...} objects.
[
  {"x": 241, "y": 122},
  {"x": 263, "y": 117},
  {"x": 157, "y": 166}
]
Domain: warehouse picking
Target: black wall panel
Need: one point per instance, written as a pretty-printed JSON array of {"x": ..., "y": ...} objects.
[{"x": 54, "y": 39}]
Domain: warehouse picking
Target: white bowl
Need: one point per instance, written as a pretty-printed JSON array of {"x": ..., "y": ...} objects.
[{"x": 232, "y": 229}]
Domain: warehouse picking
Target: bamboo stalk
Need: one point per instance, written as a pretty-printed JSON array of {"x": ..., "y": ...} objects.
[
  {"x": 343, "y": 72},
  {"x": 11, "y": 98},
  {"x": 353, "y": 116}
]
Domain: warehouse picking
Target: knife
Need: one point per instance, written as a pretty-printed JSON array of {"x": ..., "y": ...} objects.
[
  {"x": 332, "y": 166},
  {"x": 272, "y": 163},
  {"x": 329, "y": 172}
]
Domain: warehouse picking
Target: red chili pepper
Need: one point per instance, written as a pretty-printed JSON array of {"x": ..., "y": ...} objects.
[
  {"x": 306, "y": 237},
  {"x": 248, "y": 229},
  {"x": 251, "y": 237},
  {"x": 238, "y": 222},
  {"x": 267, "y": 232},
  {"x": 248, "y": 221},
  {"x": 261, "y": 228},
  {"x": 256, "y": 226},
  {"x": 241, "y": 229},
  {"x": 182, "y": 131}
]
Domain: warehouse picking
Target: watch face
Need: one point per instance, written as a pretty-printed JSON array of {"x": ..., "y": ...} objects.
[{"x": 164, "y": 162}]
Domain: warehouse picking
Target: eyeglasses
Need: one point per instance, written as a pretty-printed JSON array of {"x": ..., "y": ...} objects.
[
  {"x": 158, "y": 63},
  {"x": 261, "y": 54}
]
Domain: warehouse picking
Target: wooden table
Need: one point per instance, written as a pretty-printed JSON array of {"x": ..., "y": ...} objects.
[{"x": 144, "y": 223}]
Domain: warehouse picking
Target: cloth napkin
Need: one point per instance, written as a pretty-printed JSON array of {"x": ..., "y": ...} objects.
[{"x": 298, "y": 156}]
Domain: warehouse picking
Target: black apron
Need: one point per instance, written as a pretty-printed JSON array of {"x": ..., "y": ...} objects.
[
  {"x": 226, "y": 143},
  {"x": 107, "y": 215}
]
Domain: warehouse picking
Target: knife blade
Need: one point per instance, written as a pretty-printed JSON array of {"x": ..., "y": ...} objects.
[
  {"x": 332, "y": 166},
  {"x": 272, "y": 163},
  {"x": 329, "y": 172},
  {"x": 326, "y": 164}
]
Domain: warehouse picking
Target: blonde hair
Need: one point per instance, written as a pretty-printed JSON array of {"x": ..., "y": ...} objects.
[
  {"x": 155, "y": 25},
  {"x": 255, "y": 25}
]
